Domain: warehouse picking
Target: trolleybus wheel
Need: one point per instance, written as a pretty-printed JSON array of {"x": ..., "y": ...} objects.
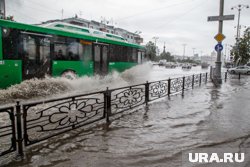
[{"x": 69, "y": 74}]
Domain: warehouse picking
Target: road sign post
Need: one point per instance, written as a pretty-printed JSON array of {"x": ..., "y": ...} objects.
[{"x": 219, "y": 37}]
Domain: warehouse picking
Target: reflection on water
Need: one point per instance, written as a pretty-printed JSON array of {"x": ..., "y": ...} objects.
[{"x": 156, "y": 135}]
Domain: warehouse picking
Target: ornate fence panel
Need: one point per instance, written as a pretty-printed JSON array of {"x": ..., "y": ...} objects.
[
  {"x": 204, "y": 77},
  {"x": 188, "y": 82},
  {"x": 196, "y": 79},
  {"x": 176, "y": 85},
  {"x": 50, "y": 118},
  {"x": 7, "y": 131},
  {"x": 158, "y": 89},
  {"x": 126, "y": 98}
]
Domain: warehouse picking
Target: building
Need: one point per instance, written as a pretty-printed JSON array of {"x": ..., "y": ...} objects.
[
  {"x": 101, "y": 26},
  {"x": 2, "y": 8},
  {"x": 209, "y": 59},
  {"x": 178, "y": 57},
  {"x": 196, "y": 57}
]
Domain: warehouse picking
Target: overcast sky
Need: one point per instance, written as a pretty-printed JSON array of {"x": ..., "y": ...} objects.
[{"x": 175, "y": 22}]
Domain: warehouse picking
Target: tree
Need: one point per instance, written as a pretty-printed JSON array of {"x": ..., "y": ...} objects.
[
  {"x": 150, "y": 51},
  {"x": 241, "y": 50},
  {"x": 167, "y": 56}
]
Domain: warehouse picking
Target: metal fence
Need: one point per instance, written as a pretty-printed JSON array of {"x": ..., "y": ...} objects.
[
  {"x": 228, "y": 75},
  {"x": 7, "y": 131},
  {"x": 30, "y": 123}
]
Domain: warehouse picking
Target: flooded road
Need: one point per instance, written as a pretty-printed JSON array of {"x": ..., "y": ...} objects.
[
  {"x": 41, "y": 89},
  {"x": 156, "y": 135}
]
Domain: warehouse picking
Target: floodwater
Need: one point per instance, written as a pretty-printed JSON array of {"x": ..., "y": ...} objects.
[
  {"x": 41, "y": 89},
  {"x": 157, "y": 135}
]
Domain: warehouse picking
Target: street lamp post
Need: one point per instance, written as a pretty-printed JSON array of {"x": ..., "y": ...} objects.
[
  {"x": 239, "y": 8},
  {"x": 193, "y": 51},
  {"x": 184, "y": 48},
  {"x": 156, "y": 38}
]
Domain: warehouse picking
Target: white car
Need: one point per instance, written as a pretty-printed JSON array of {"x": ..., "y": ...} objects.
[{"x": 240, "y": 70}]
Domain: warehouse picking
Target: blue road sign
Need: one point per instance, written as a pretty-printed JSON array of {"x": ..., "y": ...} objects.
[{"x": 218, "y": 47}]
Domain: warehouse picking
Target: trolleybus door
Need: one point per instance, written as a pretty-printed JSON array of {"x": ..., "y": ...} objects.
[
  {"x": 36, "y": 58},
  {"x": 101, "y": 59}
]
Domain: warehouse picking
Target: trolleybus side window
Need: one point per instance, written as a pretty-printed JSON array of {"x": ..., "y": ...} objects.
[
  {"x": 122, "y": 54},
  {"x": 86, "y": 54},
  {"x": 11, "y": 48},
  {"x": 71, "y": 49},
  {"x": 117, "y": 53}
]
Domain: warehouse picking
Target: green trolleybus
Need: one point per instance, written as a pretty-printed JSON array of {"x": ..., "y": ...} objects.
[{"x": 59, "y": 49}]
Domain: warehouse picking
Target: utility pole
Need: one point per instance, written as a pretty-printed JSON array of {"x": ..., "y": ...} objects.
[
  {"x": 184, "y": 47},
  {"x": 193, "y": 51},
  {"x": 239, "y": 8},
  {"x": 218, "y": 61},
  {"x": 225, "y": 57},
  {"x": 62, "y": 13},
  {"x": 156, "y": 38},
  {"x": 219, "y": 37}
]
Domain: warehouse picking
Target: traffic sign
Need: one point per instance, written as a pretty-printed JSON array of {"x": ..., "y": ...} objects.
[
  {"x": 219, "y": 37},
  {"x": 220, "y": 18},
  {"x": 218, "y": 47}
]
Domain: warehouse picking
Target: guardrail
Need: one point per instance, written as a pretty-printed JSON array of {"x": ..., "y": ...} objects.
[{"x": 34, "y": 122}]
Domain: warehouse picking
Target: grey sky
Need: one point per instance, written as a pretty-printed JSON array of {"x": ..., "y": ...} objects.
[{"x": 175, "y": 22}]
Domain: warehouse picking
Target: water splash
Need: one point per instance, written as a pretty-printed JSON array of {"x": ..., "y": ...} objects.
[
  {"x": 34, "y": 88},
  {"x": 53, "y": 87}
]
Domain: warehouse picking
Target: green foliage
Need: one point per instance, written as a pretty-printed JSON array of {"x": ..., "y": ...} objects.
[
  {"x": 151, "y": 51},
  {"x": 167, "y": 56},
  {"x": 241, "y": 52}
]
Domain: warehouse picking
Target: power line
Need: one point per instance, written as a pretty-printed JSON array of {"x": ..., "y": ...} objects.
[
  {"x": 183, "y": 14},
  {"x": 156, "y": 9}
]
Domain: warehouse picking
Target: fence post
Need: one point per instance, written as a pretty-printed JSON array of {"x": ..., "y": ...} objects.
[
  {"x": 200, "y": 79},
  {"x": 147, "y": 93},
  {"x": 225, "y": 76},
  {"x": 239, "y": 75},
  {"x": 193, "y": 81},
  {"x": 206, "y": 78},
  {"x": 183, "y": 85},
  {"x": 19, "y": 129},
  {"x": 169, "y": 87},
  {"x": 107, "y": 104}
]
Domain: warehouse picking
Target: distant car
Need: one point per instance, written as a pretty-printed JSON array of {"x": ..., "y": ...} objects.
[
  {"x": 170, "y": 65},
  {"x": 162, "y": 62},
  {"x": 240, "y": 70},
  {"x": 186, "y": 66}
]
